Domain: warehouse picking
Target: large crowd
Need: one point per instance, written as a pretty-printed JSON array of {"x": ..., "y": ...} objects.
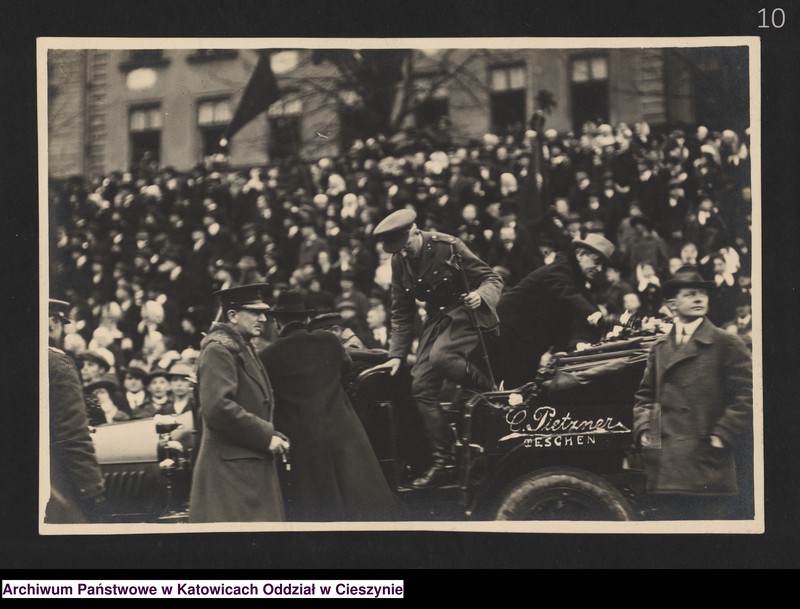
[{"x": 139, "y": 253}]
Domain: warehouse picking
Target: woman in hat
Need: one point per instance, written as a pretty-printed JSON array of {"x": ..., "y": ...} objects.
[
  {"x": 133, "y": 378},
  {"x": 101, "y": 403}
]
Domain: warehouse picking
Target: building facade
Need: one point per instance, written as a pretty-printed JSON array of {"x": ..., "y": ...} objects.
[{"x": 109, "y": 109}]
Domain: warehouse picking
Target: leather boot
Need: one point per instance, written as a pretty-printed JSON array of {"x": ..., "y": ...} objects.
[
  {"x": 443, "y": 451},
  {"x": 437, "y": 475},
  {"x": 478, "y": 378}
]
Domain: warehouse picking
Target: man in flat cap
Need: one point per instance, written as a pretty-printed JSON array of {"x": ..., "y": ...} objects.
[
  {"x": 431, "y": 267},
  {"x": 540, "y": 311},
  {"x": 693, "y": 413},
  {"x": 76, "y": 483},
  {"x": 235, "y": 478}
]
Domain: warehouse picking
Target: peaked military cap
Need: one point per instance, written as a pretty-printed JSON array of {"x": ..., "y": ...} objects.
[
  {"x": 58, "y": 308},
  {"x": 248, "y": 296},
  {"x": 393, "y": 229}
]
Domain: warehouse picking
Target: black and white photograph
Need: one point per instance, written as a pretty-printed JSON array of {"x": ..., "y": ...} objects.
[{"x": 475, "y": 284}]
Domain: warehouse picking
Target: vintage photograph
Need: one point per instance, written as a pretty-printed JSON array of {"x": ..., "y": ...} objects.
[{"x": 412, "y": 284}]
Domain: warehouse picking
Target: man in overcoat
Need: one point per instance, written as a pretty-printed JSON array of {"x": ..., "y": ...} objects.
[
  {"x": 694, "y": 408},
  {"x": 335, "y": 475},
  {"x": 540, "y": 312},
  {"x": 76, "y": 483},
  {"x": 235, "y": 478},
  {"x": 430, "y": 266}
]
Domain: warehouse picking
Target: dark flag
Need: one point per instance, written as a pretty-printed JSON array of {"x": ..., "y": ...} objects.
[{"x": 259, "y": 94}]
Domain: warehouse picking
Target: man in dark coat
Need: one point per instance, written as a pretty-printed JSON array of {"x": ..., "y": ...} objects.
[
  {"x": 335, "y": 474},
  {"x": 539, "y": 312},
  {"x": 430, "y": 267},
  {"x": 235, "y": 478},
  {"x": 694, "y": 410},
  {"x": 76, "y": 483}
]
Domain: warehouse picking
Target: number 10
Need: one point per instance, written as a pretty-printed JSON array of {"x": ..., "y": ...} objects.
[{"x": 775, "y": 24}]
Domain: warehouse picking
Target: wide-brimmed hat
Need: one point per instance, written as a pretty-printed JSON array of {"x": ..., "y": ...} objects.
[
  {"x": 685, "y": 277},
  {"x": 393, "y": 229},
  {"x": 248, "y": 296},
  {"x": 97, "y": 358},
  {"x": 107, "y": 382},
  {"x": 290, "y": 302},
  {"x": 596, "y": 243}
]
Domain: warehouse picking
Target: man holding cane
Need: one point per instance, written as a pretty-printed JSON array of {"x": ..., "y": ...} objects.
[
  {"x": 460, "y": 292},
  {"x": 235, "y": 478}
]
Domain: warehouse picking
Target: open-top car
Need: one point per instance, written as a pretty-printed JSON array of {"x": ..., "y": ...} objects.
[{"x": 556, "y": 448}]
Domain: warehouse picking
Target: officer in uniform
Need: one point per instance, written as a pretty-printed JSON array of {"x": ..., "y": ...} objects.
[
  {"x": 76, "y": 483},
  {"x": 431, "y": 267}
]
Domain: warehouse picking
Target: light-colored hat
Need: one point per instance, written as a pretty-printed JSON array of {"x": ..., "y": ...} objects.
[{"x": 598, "y": 244}]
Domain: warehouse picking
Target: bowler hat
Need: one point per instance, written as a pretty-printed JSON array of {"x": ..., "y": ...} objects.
[
  {"x": 290, "y": 302},
  {"x": 248, "y": 296},
  {"x": 596, "y": 243},
  {"x": 685, "y": 277},
  {"x": 135, "y": 371},
  {"x": 156, "y": 372},
  {"x": 324, "y": 321},
  {"x": 393, "y": 229}
]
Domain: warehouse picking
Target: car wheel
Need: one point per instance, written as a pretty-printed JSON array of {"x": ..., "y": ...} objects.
[{"x": 563, "y": 493}]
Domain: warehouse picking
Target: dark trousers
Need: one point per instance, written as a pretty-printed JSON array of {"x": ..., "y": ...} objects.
[
  {"x": 445, "y": 346},
  {"x": 516, "y": 358}
]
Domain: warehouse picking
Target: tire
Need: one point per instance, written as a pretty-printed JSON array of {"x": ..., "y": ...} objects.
[{"x": 563, "y": 493}]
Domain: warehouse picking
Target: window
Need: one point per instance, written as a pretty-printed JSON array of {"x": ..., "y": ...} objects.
[
  {"x": 204, "y": 55},
  {"x": 284, "y": 126},
  {"x": 508, "y": 99},
  {"x": 431, "y": 106},
  {"x": 146, "y": 55},
  {"x": 588, "y": 89},
  {"x": 144, "y": 58},
  {"x": 213, "y": 115},
  {"x": 508, "y": 78},
  {"x": 144, "y": 128}
]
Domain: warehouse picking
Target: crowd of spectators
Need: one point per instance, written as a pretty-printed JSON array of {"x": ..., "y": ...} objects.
[{"x": 140, "y": 253}]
